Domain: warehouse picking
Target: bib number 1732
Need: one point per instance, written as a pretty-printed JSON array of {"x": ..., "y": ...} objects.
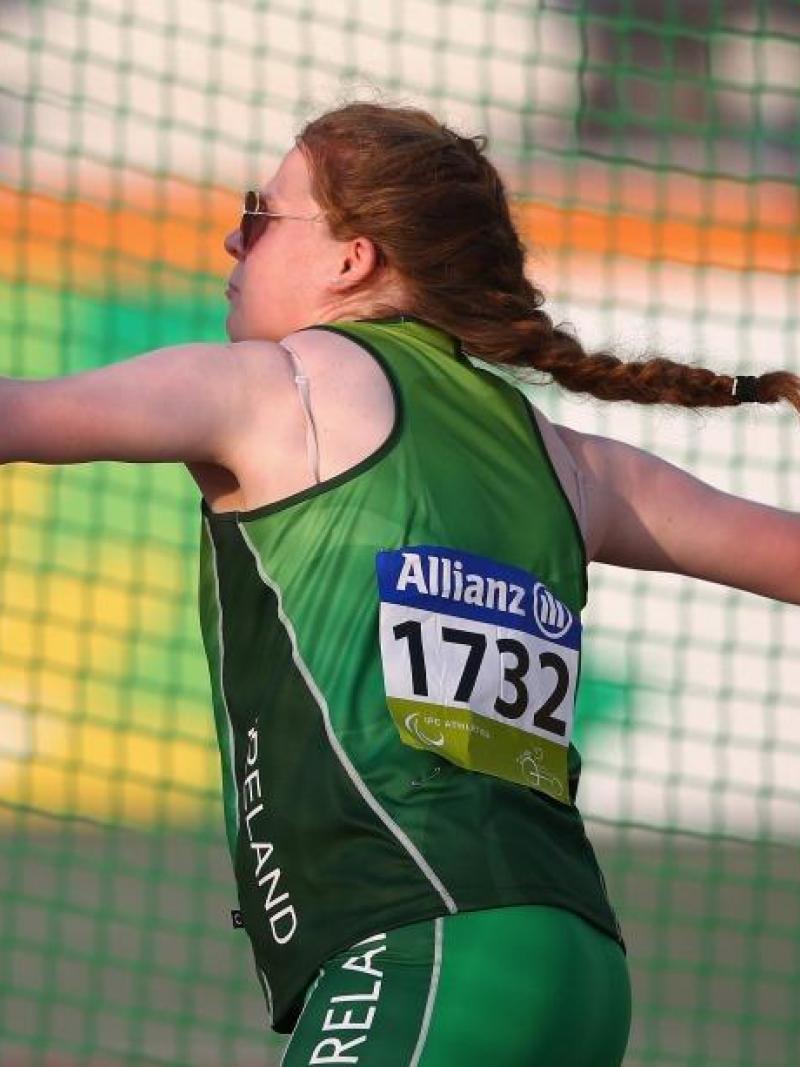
[
  {"x": 480, "y": 664},
  {"x": 515, "y": 661}
]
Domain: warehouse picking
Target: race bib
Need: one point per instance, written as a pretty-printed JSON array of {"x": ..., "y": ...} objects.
[{"x": 480, "y": 663}]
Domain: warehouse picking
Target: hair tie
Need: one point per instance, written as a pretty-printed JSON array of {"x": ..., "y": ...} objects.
[{"x": 745, "y": 387}]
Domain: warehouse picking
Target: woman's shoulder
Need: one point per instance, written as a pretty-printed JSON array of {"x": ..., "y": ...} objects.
[
  {"x": 342, "y": 373},
  {"x": 349, "y": 397}
]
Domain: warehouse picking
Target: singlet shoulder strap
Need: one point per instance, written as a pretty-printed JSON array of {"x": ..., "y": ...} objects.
[{"x": 304, "y": 393}]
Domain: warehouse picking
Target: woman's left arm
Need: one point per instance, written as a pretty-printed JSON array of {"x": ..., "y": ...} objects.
[{"x": 651, "y": 515}]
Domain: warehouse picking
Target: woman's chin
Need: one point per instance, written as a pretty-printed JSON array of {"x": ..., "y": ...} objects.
[{"x": 232, "y": 328}]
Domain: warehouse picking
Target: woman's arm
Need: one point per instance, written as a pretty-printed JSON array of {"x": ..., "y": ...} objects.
[
  {"x": 184, "y": 403},
  {"x": 650, "y": 515}
]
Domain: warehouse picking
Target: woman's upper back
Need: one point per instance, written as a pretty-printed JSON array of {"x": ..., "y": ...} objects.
[{"x": 341, "y": 417}]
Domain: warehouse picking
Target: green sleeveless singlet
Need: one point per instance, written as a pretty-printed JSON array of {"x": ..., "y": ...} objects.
[{"x": 393, "y": 657}]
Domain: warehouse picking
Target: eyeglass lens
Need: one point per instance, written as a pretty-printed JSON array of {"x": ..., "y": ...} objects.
[{"x": 252, "y": 226}]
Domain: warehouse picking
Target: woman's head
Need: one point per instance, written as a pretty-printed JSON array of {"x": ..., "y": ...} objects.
[
  {"x": 414, "y": 216},
  {"x": 294, "y": 272},
  {"x": 435, "y": 208}
]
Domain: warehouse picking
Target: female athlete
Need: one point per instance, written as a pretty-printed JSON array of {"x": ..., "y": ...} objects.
[{"x": 394, "y": 548}]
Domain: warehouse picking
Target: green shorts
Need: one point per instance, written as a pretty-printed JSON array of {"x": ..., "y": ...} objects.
[{"x": 523, "y": 986}]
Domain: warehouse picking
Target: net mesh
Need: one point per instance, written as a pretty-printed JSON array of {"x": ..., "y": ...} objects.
[{"x": 650, "y": 147}]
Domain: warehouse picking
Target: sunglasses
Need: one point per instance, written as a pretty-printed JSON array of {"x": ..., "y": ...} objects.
[{"x": 255, "y": 218}]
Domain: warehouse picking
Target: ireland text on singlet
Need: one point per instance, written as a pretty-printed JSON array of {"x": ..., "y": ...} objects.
[{"x": 394, "y": 657}]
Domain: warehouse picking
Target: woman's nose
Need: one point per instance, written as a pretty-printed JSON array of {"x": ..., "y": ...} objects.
[{"x": 233, "y": 244}]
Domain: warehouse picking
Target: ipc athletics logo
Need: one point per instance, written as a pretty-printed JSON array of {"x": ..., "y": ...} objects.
[
  {"x": 552, "y": 617},
  {"x": 413, "y": 727}
]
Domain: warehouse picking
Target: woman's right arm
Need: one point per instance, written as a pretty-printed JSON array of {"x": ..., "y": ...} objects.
[
  {"x": 651, "y": 515},
  {"x": 184, "y": 403}
]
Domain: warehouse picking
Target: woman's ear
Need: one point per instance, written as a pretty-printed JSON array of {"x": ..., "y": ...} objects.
[{"x": 360, "y": 261}]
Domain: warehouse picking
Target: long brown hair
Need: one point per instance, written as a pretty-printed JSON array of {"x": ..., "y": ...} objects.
[{"x": 437, "y": 210}]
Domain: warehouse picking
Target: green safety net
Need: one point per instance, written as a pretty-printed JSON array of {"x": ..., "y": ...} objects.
[{"x": 650, "y": 148}]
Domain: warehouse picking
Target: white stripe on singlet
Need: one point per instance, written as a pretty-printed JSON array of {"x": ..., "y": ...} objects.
[
  {"x": 304, "y": 392},
  {"x": 438, "y": 946}
]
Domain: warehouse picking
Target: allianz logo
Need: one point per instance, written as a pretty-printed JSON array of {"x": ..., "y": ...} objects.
[
  {"x": 552, "y": 617},
  {"x": 442, "y": 577}
]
